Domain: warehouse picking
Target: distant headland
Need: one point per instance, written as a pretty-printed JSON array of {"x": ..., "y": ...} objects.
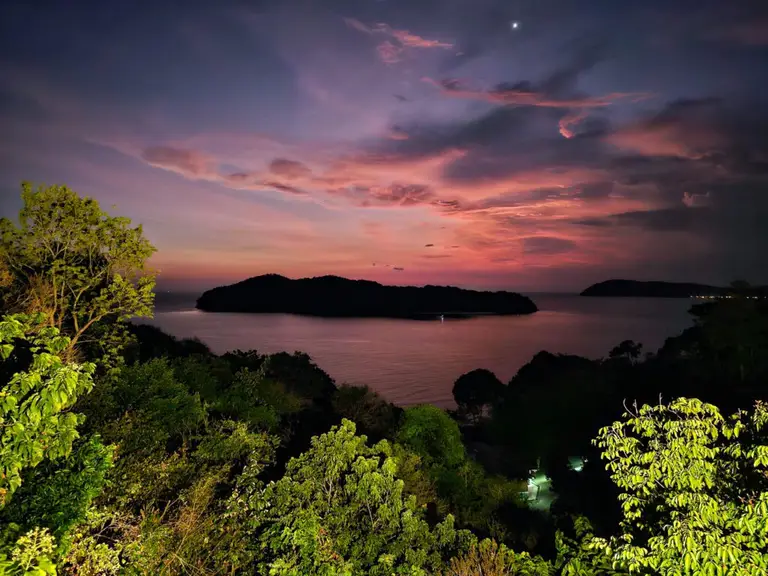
[
  {"x": 633, "y": 288},
  {"x": 332, "y": 296}
]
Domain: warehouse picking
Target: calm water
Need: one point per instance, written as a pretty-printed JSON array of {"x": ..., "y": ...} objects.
[{"x": 418, "y": 361}]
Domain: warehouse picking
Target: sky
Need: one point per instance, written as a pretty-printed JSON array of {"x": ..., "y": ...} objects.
[{"x": 534, "y": 145}]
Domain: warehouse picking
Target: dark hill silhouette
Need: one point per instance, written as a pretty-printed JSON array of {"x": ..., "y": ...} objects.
[
  {"x": 652, "y": 289},
  {"x": 332, "y": 296}
]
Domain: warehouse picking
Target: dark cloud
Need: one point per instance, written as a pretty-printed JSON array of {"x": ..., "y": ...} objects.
[
  {"x": 701, "y": 165},
  {"x": 558, "y": 90},
  {"x": 595, "y": 190},
  {"x": 428, "y": 245},
  {"x": 283, "y": 187},
  {"x": 289, "y": 168},
  {"x": 660, "y": 220},
  {"x": 547, "y": 245},
  {"x": 595, "y": 222},
  {"x": 397, "y": 269},
  {"x": 394, "y": 195}
]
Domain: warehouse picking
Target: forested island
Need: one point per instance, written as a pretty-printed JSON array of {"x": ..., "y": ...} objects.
[
  {"x": 653, "y": 289},
  {"x": 127, "y": 452},
  {"x": 333, "y": 296}
]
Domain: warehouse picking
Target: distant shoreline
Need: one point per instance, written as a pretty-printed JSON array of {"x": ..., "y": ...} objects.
[{"x": 657, "y": 289}]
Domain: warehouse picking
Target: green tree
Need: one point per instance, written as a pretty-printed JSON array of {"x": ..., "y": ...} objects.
[
  {"x": 256, "y": 398},
  {"x": 461, "y": 484},
  {"x": 432, "y": 434},
  {"x": 695, "y": 491},
  {"x": 31, "y": 555},
  {"x": 84, "y": 269},
  {"x": 374, "y": 416},
  {"x": 487, "y": 558},
  {"x": 476, "y": 391},
  {"x": 340, "y": 509},
  {"x": 36, "y": 423},
  {"x": 57, "y": 495},
  {"x": 628, "y": 350}
]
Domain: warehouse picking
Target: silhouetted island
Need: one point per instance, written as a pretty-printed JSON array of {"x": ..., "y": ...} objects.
[
  {"x": 332, "y": 296},
  {"x": 633, "y": 288}
]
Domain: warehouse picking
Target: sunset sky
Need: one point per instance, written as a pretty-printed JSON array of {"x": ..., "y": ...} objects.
[{"x": 537, "y": 145}]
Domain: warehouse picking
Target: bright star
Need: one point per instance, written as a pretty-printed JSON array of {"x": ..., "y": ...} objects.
[{"x": 515, "y": 25}]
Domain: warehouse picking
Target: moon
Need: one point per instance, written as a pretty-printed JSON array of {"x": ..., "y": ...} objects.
[{"x": 514, "y": 25}]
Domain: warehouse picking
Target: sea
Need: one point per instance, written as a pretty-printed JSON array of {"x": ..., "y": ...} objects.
[{"x": 414, "y": 361}]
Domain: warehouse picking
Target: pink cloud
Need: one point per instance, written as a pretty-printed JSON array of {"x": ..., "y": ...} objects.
[
  {"x": 391, "y": 51},
  {"x": 396, "y": 133},
  {"x": 681, "y": 139},
  {"x": 415, "y": 41},
  {"x": 502, "y": 222},
  {"x": 185, "y": 162},
  {"x": 696, "y": 200},
  {"x": 290, "y": 169},
  {"x": 568, "y": 121},
  {"x": 524, "y": 97}
]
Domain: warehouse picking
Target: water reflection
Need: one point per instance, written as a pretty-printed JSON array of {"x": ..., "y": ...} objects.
[{"x": 415, "y": 361}]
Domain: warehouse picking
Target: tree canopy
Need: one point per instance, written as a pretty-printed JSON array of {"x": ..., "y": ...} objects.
[
  {"x": 35, "y": 421},
  {"x": 341, "y": 509},
  {"x": 85, "y": 270},
  {"x": 694, "y": 490},
  {"x": 477, "y": 390}
]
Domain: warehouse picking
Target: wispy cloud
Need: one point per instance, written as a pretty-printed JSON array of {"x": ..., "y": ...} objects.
[
  {"x": 522, "y": 95},
  {"x": 188, "y": 163},
  {"x": 684, "y": 129},
  {"x": 392, "y": 50}
]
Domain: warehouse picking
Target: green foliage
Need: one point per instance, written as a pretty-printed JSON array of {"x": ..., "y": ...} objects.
[
  {"x": 297, "y": 373},
  {"x": 577, "y": 554},
  {"x": 487, "y": 558},
  {"x": 82, "y": 268},
  {"x": 57, "y": 495},
  {"x": 35, "y": 421},
  {"x": 341, "y": 509},
  {"x": 31, "y": 555},
  {"x": 695, "y": 490},
  {"x": 144, "y": 408},
  {"x": 202, "y": 374},
  {"x": 416, "y": 476},
  {"x": 148, "y": 342},
  {"x": 373, "y": 415},
  {"x": 257, "y": 399},
  {"x": 476, "y": 391},
  {"x": 553, "y": 407},
  {"x": 169, "y": 514},
  {"x": 461, "y": 484},
  {"x": 734, "y": 334},
  {"x": 89, "y": 553},
  {"x": 432, "y": 434}
]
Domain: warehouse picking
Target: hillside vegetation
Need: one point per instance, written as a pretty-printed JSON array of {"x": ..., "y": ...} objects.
[{"x": 124, "y": 451}]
